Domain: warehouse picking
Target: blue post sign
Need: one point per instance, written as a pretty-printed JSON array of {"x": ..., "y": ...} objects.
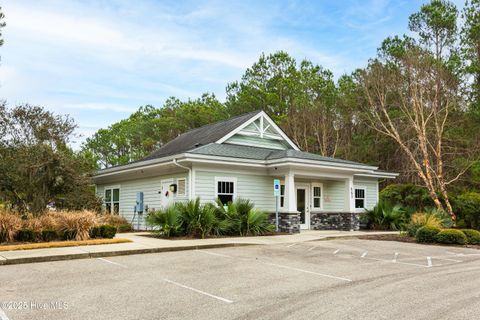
[{"x": 276, "y": 193}]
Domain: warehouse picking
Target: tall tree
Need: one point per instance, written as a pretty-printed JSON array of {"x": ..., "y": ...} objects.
[
  {"x": 412, "y": 99},
  {"x": 470, "y": 39},
  {"x": 36, "y": 166}
]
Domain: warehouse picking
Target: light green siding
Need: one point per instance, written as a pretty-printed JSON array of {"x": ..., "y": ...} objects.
[
  {"x": 150, "y": 188},
  {"x": 371, "y": 186},
  {"x": 334, "y": 195},
  {"x": 257, "y": 142},
  {"x": 257, "y": 188}
]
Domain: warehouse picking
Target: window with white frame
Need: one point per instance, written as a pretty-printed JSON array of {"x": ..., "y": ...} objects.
[
  {"x": 181, "y": 187},
  {"x": 360, "y": 194},
  {"x": 317, "y": 196},
  {"x": 225, "y": 189},
  {"x": 112, "y": 200},
  {"x": 282, "y": 195}
]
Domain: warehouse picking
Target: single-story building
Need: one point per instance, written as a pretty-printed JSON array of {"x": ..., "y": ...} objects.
[{"x": 240, "y": 158}]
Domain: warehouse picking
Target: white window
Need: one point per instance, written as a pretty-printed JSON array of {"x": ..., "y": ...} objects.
[
  {"x": 360, "y": 194},
  {"x": 317, "y": 196},
  {"x": 181, "y": 187},
  {"x": 225, "y": 189},
  {"x": 112, "y": 200},
  {"x": 282, "y": 196}
]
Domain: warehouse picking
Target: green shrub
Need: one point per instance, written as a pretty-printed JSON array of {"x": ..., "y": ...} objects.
[
  {"x": 467, "y": 208},
  {"x": 124, "y": 227},
  {"x": 451, "y": 236},
  {"x": 25, "y": 235},
  {"x": 385, "y": 217},
  {"x": 95, "y": 232},
  {"x": 473, "y": 236},
  {"x": 49, "y": 235},
  {"x": 427, "y": 234},
  {"x": 407, "y": 195},
  {"x": 108, "y": 231},
  {"x": 69, "y": 235}
]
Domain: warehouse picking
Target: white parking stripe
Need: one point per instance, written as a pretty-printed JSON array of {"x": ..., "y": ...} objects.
[
  {"x": 364, "y": 254},
  {"x": 310, "y": 249},
  {"x": 3, "y": 316},
  {"x": 307, "y": 271},
  {"x": 429, "y": 261},
  {"x": 199, "y": 291},
  {"x": 111, "y": 262},
  {"x": 336, "y": 251},
  {"x": 397, "y": 262},
  {"x": 214, "y": 254},
  {"x": 292, "y": 245},
  {"x": 395, "y": 257}
]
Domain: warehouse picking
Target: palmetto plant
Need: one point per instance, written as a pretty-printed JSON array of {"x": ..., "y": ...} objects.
[
  {"x": 167, "y": 221},
  {"x": 385, "y": 216},
  {"x": 243, "y": 219}
]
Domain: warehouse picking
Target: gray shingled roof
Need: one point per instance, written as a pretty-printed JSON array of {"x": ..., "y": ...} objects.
[
  {"x": 200, "y": 136},
  {"x": 255, "y": 153}
]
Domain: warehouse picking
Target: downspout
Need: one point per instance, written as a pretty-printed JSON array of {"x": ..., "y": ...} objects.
[{"x": 190, "y": 182}]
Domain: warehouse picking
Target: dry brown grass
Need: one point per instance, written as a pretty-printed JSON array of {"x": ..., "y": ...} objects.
[
  {"x": 60, "y": 244},
  {"x": 112, "y": 219},
  {"x": 10, "y": 224},
  {"x": 79, "y": 223}
]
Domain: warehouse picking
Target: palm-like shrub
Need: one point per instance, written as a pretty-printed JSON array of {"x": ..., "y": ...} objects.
[
  {"x": 385, "y": 217},
  {"x": 166, "y": 221},
  {"x": 243, "y": 219}
]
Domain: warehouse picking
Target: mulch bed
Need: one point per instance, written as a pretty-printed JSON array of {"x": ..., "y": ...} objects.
[{"x": 405, "y": 238}]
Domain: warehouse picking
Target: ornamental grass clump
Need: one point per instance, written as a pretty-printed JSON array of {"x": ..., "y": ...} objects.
[
  {"x": 75, "y": 225},
  {"x": 10, "y": 225}
]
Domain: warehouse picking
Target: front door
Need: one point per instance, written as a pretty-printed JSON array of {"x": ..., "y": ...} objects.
[{"x": 302, "y": 206}]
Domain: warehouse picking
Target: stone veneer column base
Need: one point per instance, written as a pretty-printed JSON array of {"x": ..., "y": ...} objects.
[
  {"x": 346, "y": 221},
  {"x": 287, "y": 221}
]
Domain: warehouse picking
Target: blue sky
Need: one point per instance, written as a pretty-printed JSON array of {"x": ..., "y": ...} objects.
[{"x": 98, "y": 61}]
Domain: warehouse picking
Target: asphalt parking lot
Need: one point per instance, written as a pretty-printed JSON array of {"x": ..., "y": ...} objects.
[{"x": 336, "y": 279}]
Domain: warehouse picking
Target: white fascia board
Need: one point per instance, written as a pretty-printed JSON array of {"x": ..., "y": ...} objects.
[
  {"x": 239, "y": 128},
  {"x": 280, "y": 162},
  {"x": 137, "y": 165},
  {"x": 320, "y": 162},
  {"x": 318, "y": 166},
  {"x": 386, "y": 175}
]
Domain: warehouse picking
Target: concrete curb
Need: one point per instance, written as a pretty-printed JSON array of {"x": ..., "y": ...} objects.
[{"x": 88, "y": 255}]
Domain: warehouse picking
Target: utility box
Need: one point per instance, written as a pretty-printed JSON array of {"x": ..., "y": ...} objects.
[{"x": 139, "y": 203}]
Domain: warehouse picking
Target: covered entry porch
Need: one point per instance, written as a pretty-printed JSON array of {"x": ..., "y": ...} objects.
[{"x": 320, "y": 200}]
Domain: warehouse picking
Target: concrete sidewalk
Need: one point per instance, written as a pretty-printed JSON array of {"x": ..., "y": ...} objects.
[{"x": 143, "y": 244}]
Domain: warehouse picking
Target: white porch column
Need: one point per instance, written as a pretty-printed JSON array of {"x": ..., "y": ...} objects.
[
  {"x": 349, "y": 195},
  {"x": 290, "y": 204}
]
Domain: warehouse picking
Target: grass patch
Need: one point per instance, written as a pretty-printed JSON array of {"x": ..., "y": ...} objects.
[{"x": 61, "y": 244}]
